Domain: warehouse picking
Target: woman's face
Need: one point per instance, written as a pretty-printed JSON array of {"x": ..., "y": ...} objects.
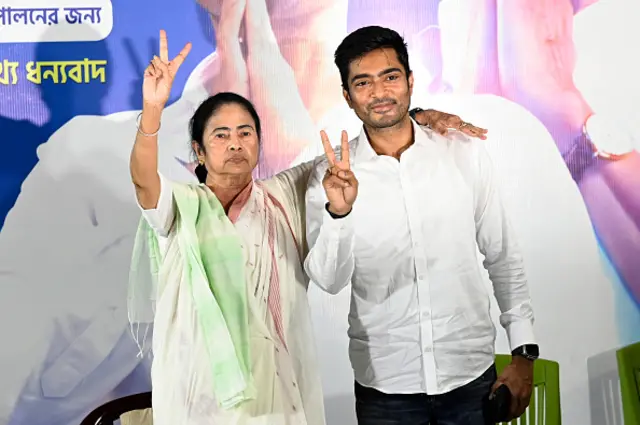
[{"x": 230, "y": 139}]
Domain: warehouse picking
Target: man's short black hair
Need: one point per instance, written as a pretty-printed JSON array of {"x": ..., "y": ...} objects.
[{"x": 366, "y": 40}]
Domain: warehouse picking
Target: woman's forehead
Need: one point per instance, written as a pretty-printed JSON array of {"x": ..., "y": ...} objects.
[{"x": 231, "y": 116}]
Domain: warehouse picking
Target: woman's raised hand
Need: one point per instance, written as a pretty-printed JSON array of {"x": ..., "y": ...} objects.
[{"x": 159, "y": 75}]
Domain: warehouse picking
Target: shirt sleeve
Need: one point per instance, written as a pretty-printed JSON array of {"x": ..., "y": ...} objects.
[
  {"x": 161, "y": 217},
  {"x": 503, "y": 258},
  {"x": 330, "y": 262}
]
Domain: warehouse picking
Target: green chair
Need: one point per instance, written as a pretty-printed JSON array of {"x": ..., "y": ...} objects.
[
  {"x": 629, "y": 371},
  {"x": 544, "y": 408}
]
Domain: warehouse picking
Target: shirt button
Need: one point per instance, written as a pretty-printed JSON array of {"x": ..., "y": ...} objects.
[
  {"x": 294, "y": 408},
  {"x": 277, "y": 351}
]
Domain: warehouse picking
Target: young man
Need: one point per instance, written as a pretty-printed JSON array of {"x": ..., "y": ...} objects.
[{"x": 421, "y": 336}]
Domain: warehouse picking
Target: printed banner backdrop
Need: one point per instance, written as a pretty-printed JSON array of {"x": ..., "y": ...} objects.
[{"x": 533, "y": 73}]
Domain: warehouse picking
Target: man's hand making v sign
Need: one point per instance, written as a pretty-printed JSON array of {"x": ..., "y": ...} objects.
[{"x": 340, "y": 184}]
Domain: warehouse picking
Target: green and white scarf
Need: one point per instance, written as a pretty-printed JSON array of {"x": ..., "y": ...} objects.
[{"x": 215, "y": 272}]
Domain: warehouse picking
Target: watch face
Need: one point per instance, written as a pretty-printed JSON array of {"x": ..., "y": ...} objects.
[
  {"x": 532, "y": 350},
  {"x": 609, "y": 139}
]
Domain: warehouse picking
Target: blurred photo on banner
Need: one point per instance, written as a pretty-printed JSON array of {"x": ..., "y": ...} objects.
[{"x": 553, "y": 81}]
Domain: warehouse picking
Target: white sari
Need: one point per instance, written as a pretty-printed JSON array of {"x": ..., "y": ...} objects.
[{"x": 284, "y": 370}]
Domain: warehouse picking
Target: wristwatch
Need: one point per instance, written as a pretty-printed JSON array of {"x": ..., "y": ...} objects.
[
  {"x": 528, "y": 351},
  {"x": 600, "y": 140},
  {"x": 416, "y": 111},
  {"x": 335, "y": 216},
  {"x": 608, "y": 140}
]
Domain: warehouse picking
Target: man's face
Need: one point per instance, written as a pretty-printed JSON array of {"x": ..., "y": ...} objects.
[{"x": 379, "y": 91}]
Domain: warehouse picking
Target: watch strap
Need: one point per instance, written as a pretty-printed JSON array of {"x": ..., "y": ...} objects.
[
  {"x": 414, "y": 112},
  {"x": 580, "y": 157},
  {"x": 528, "y": 351},
  {"x": 335, "y": 216}
]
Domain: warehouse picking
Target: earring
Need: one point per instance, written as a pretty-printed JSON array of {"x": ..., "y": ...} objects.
[{"x": 201, "y": 171}]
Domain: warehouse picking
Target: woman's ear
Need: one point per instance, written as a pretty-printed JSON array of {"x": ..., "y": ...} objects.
[{"x": 198, "y": 150}]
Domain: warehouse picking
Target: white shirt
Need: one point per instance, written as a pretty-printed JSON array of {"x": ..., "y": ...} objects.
[{"x": 419, "y": 319}]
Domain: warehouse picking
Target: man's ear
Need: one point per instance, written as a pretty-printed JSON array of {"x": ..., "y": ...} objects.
[
  {"x": 347, "y": 97},
  {"x": 410, "y": 81}
]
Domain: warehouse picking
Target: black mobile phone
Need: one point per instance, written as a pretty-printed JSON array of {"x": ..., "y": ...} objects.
[{"x": 498, "y": 404}]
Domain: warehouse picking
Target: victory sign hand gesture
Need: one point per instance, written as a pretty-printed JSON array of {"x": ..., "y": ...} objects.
[
  {"x": 159, "y": 75},
  {"x": 340, "y": 184}
]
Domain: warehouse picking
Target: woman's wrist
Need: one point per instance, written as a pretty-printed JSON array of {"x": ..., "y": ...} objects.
[{"x": 150, "y": 119}]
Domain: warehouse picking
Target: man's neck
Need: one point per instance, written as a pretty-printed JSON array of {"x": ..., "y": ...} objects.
[
  {"x": 391, "y": 141},
  {"x": 227, "y": 187}
]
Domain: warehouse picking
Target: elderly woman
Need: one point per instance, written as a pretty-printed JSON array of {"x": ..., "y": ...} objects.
[
  {"x": 232, "y": 334},
  {"x": 232, "y": 337}
]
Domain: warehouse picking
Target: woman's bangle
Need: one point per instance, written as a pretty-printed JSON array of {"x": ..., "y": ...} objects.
[{"x": 142, "y": 132}]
